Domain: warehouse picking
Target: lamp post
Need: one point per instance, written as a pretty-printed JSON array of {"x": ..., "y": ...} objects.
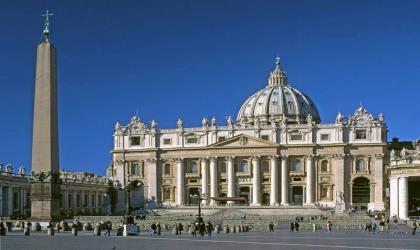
[{"x": 199, "y": 198}]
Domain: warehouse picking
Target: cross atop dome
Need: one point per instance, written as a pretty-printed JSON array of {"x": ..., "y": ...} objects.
[{"x": 278, "y": 76}]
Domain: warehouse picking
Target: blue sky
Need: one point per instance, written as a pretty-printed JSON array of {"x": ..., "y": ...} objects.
[{"x": 190, "y": 59}]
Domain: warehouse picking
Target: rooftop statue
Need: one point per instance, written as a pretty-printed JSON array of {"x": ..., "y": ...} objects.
[{"x": 213, "y": 121}]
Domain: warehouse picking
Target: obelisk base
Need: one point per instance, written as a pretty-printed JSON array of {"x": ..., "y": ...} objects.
[{"x": 45, "y": 201}]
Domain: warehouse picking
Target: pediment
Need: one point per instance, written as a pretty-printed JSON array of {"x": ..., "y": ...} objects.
[{"x": 243, "y": 141}]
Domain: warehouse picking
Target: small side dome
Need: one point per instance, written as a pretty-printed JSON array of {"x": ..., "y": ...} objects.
[{"x": 279, "y": 102}]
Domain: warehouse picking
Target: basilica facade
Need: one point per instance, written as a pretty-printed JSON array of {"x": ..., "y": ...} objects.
[{"x": 275, "y": 153}]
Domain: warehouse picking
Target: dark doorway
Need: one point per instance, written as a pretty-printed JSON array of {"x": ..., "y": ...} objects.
[
  {"x": 244, "y": 192},
  {"x": 414, "y": 196},
  {"x": 265, "y": 199},
  {"x": 193, "y": 197},
  {"x": 361, "y": 192},
  {"x": 222, "y": 195},
  {"x": 297, "y": 195}
]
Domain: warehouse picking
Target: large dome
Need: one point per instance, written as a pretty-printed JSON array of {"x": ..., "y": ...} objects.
[{"x": 278, "y": 102}]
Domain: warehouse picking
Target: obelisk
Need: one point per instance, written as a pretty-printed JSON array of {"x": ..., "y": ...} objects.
[{"x": 45, "y": 182}]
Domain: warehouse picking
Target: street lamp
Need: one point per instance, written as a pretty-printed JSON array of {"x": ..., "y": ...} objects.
[
  {"x": 199, "y": 198},
  {"x": 131, "y": 186}
]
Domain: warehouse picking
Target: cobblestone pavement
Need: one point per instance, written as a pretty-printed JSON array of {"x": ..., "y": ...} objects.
[{"x": 281, "y": 239}]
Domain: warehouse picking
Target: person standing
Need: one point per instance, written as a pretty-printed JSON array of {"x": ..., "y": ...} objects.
[
  {"x": 414, "y": 228},
  {"x": 180, "y": 228},
  {"x": 296, "y": 226},
  {"x": 159, "y": 228},
  {"x": 209, "y": 228},
  {"x": 192, "y": 230},
  {"x": 22, "y": 226},
  {"x": 313, "y": 227},
  {"x": 153, "y": 229},
  {"x": 202, "y": 229},
  {"x": 292, "y": 227}
]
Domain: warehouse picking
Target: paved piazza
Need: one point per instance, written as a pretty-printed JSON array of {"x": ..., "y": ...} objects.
[{"x": 281, "y": 239}]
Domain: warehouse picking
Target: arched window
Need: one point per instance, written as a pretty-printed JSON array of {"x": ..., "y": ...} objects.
[
  {"x": 360, "y": 165},
  {"x": 265, "y": 167},
  {"x": 135, "y": 169},
  {"x": 297, "y": 165},
  {"x": 167, "y": 169},
  {"x": 243, "y": 166},
  {"x": 324, "y": 166}
]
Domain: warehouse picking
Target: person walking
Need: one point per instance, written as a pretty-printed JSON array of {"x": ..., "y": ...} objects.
[
  {"x": 159, "y": 228},
  {"x": 292, "y": 227},
  {"x": 180, "y": 228},
  {"x": 108, "y": 228},
  {"x": 22, "y": 226},
  {"x": 202, "y": 229},
  {"x": 414, "y": 228},
  {"x": 297, "y": 226},
  {"x": 271, "y": 227},
  {"x": 192, "y": 230},
  {"x": 313, "y": 227},
  {"x": 153, "y": 229},
  {"x": 209, "y": 228}
]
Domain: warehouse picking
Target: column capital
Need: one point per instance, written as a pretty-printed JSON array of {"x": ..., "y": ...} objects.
[
  {"x": 339, "y": 156},
  {"x": 153, "y": 160},
  {"x": 379, "y": 156},
  {"x": 178, "y": 160},
  {"x": 273, "y": 157},
  {"x": 204, "y": 158},
  {"x": 213, "y": 158},
  {"x": 310, "y": 156},
  {"x": 284, "y": 156},
  {"x": 230, "y": 158}
]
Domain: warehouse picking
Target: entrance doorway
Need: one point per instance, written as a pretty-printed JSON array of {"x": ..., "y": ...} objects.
[
  {"x": 244, "y": 192},
  {"x": 413, "y": 196},
  {"x": 361, "y": 193},
  {"x": 297, "y": 195},
  {"x": 193, "y": 197},
  {"x": 265, "y": 199}
]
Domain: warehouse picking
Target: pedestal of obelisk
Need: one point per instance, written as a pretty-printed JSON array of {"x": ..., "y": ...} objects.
[{"x": 45, "y": 181}]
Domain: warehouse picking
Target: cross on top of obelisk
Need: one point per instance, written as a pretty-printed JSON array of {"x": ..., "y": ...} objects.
[{"x": 47, "y": 23}]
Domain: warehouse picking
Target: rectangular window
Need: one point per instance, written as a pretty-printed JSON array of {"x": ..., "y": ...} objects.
[
  {"x": 192, "y": 140},
  {"x": 135, "y": 140},
  {"x": 360, "y": 134},
  {"x": 295, "y": 137},
  {"x": 167, "y": 141},
  {"x": 325, "y": 137},
  {"x": 264, "y": 137},
  {"x": 221, "y": 138},
  {"x": 167, "y": 169},
  {"x": 323, "y": 192}
]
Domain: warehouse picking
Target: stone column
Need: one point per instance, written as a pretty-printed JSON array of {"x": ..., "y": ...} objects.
[
  {"x": 284, "y": 181},
  {"x": 379, "y": 193},
  {"x": 231, "y": 179},
  {"x": 180, "y": 182},
  {"x": 340, "y": 175},
  {"x": 10, "y": 200},
  {"x": 393, "y": 196},
  {"x": 213, "y": 179},
  {"x": 403, "y": 198},
  {"x": 310, "y": 181},
  {"x": 204, "y": 178},
  {"x": 256, "y": 182},
  {"x": 21, "y": 205},
  {"x": 153, "y": 179},
  {"x": 1, "y": 200},
  {"x": 274, "y": 196}
]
